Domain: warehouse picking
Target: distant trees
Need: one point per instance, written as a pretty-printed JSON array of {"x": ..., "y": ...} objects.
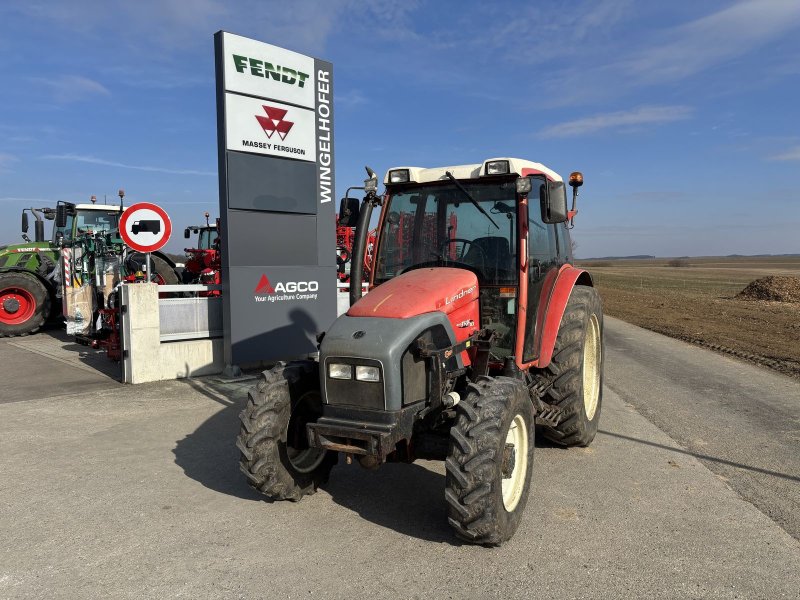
[{"x": 678, "y": 262}]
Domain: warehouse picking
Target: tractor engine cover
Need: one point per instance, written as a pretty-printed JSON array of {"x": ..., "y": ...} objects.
[{"x": 453, "y": 292}]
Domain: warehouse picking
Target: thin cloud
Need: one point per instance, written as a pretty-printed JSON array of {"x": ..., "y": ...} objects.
[
  {"x": 110, "y": 163},
  {"x": 643, "y": 115},
  {"x": 72, "y": 88},
  {"x": 5, "y": 161},
  {"x": 791, "y": 154},
  {"x": 714, "y": 39},
  {"x": 23, "y": 200}
]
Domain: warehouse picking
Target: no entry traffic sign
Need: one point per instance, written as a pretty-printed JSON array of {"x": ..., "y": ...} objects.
[{"x": 145, "y": 227}]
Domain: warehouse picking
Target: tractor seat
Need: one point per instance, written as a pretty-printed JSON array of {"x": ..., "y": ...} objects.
[{"x": 491, "y": 255}]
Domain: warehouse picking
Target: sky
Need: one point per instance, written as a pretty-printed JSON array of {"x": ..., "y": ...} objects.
[{"x": 682, "y": 116}]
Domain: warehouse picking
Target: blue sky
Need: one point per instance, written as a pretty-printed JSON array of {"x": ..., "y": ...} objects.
[{"x": 683, "y": 116}]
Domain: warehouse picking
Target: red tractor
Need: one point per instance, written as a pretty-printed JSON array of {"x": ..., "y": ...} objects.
[
  {"x": 466, "y": 341},
  {"x": 203, "y": 261}
]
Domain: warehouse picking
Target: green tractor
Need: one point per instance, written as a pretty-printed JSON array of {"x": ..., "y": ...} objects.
[{"x": 31, "y": 273}]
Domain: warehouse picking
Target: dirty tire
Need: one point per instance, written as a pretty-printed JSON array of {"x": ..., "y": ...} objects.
[
  {"x": 274, "y": 448},
  {"x": 577, "y": 386},
  {"x": 136, "y": 261},
  {"x": 477, "y": 507},
  {"x": 24, "y": 304}
]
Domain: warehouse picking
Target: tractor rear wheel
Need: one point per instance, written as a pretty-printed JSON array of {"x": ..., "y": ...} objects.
[
  {"x": 490, "y": 461},
  {"x": 24, "y": 304},
  {"x": 276, "y": 457},
  {"x": 576, "y": 370}
]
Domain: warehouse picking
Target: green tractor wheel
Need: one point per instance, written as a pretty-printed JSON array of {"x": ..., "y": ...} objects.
[{"x": 24, "y": 304}]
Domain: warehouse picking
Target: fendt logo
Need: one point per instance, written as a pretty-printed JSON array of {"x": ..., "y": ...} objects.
[
  {"x": 282, "y": 291},
  {"x": 274, "y": 121},
  {"x": 262, "y": 68}
]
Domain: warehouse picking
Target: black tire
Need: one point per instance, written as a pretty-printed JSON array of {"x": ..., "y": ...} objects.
[
  {"x": 477, "y": 459},
  {"x": 137, "y": 260},
  {"x": 570, "y": 370},
  {"x": 33, "y": 294},
  {"x": 275, "y": 455}
]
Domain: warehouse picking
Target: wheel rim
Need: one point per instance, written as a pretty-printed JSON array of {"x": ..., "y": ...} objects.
[
  {"x": 303, "y": 458},
  {"x": 17, "y": 305},
  {"x": 514, "y": 482},
  {"x": 591, "y": 367}
]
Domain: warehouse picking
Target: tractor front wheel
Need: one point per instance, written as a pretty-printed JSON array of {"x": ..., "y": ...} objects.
[
  {"x": 24, "y": 304},
  {"x": 490, "y": 462},
  {"x": 576, "y": 370},
  {"x": 276, "y": 457}
]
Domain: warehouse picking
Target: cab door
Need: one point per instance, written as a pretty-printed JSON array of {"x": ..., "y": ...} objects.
[{"x": 543, "y": 266}]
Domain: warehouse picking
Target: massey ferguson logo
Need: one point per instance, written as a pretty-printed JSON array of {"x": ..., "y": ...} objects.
[
  {"x": 274, "y": 121},
  {"x": 285, "y": 290}
]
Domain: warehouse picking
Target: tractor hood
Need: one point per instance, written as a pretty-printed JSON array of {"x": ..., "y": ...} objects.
[{"x": 420, "y": 291}]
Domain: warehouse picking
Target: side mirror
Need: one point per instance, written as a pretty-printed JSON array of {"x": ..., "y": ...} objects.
[
  {"x": 349, "y": 210},
  {"x": 553, "y": 199},
  {"x": 24, "y": 222},
  {"x": 61, "y": 216},
  {"x": 186, "y": 233}
]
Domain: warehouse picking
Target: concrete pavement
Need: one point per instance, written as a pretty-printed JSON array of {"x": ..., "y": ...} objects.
[
  {"x": 741, "y": 420},
  {"x": 134, "y": 492}
]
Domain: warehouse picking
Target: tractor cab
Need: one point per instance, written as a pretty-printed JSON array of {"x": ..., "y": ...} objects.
[{"x": 74, "y": 220}]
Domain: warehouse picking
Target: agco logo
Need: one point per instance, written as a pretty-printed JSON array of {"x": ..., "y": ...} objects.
[
  {"x": 274, "y": 121},
  {"x": 282, "y": 291}
]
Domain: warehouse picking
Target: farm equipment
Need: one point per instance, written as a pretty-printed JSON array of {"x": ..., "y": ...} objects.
[
  {"x": 203, "y": 261},
  {"x": 476, "y": 328},
  {"x": 43, "y": 278},
  {"x": 345, "y": 235}
]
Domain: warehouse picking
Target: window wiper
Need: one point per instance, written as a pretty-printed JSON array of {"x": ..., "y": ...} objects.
[{"x": 469, "y": 197}]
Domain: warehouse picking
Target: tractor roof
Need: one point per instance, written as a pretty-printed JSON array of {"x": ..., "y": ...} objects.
[
  {"x": 475, "y": 171},
  {"x": 98, "y": 207}
]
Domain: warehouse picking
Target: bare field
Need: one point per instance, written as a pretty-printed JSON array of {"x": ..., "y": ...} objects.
[{"x": 697, "y": 303}]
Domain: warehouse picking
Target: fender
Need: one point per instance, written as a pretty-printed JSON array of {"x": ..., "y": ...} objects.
[
  {"x": 550, "y": 311},
  {"x": 568, "y": 278}
]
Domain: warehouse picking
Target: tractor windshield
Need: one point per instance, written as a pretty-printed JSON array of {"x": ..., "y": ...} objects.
[
  {"x": 94, "y": 221},
  {"x": 206, "y": 239},
  {"x": 436, "y": 225}
]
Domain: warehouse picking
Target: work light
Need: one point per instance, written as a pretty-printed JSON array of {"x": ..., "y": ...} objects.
[
  {"x": 398, "y": 176},
  {"x": 523, "y": 185},
  {"x": 339, "y": 371},
  {"x": 497, "y": 167},
  {"x": 368, "y": 373}
]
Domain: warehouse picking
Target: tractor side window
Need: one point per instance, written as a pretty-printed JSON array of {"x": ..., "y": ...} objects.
[
  {"x": 564, "y": 243},
  {"x": 543, "y": 263}
]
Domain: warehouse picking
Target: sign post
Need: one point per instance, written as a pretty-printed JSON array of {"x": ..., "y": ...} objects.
[{"x": 276, "y": 184}]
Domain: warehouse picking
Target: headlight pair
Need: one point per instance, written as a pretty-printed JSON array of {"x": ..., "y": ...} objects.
[{"x": 363, "y": 373}]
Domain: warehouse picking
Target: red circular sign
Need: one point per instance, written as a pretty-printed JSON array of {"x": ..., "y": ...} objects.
[{"x": 145, "y": 227}]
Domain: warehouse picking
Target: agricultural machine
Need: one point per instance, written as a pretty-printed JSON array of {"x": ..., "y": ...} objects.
[
  {"x": 476, "y": 328},
  {"x": 203, "y": 260},
  {"x": 70, "y": 273}
]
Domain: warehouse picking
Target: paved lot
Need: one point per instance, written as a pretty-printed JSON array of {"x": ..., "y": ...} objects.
[{"x": 132, "y": 492}]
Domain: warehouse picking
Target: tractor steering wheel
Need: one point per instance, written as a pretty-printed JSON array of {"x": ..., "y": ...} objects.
[{"x": 459, "y": 258}]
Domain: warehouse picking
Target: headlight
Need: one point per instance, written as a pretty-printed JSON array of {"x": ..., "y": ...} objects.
[
  {"x": 338, "y": 371},
  {"x": 497, "y": 167},
  {"x": 368, "y": 373},
  {"x": 399, "y": 176}
]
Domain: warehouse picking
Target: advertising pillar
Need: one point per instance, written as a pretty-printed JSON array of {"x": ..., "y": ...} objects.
[{"x": 276, "y": 190}]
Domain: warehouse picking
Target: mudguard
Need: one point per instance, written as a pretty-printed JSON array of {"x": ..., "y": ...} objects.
[{"x": 568, "y": 277}]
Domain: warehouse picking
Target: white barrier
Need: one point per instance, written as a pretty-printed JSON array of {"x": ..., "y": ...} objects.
[{"x": 145, "y": 356}]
